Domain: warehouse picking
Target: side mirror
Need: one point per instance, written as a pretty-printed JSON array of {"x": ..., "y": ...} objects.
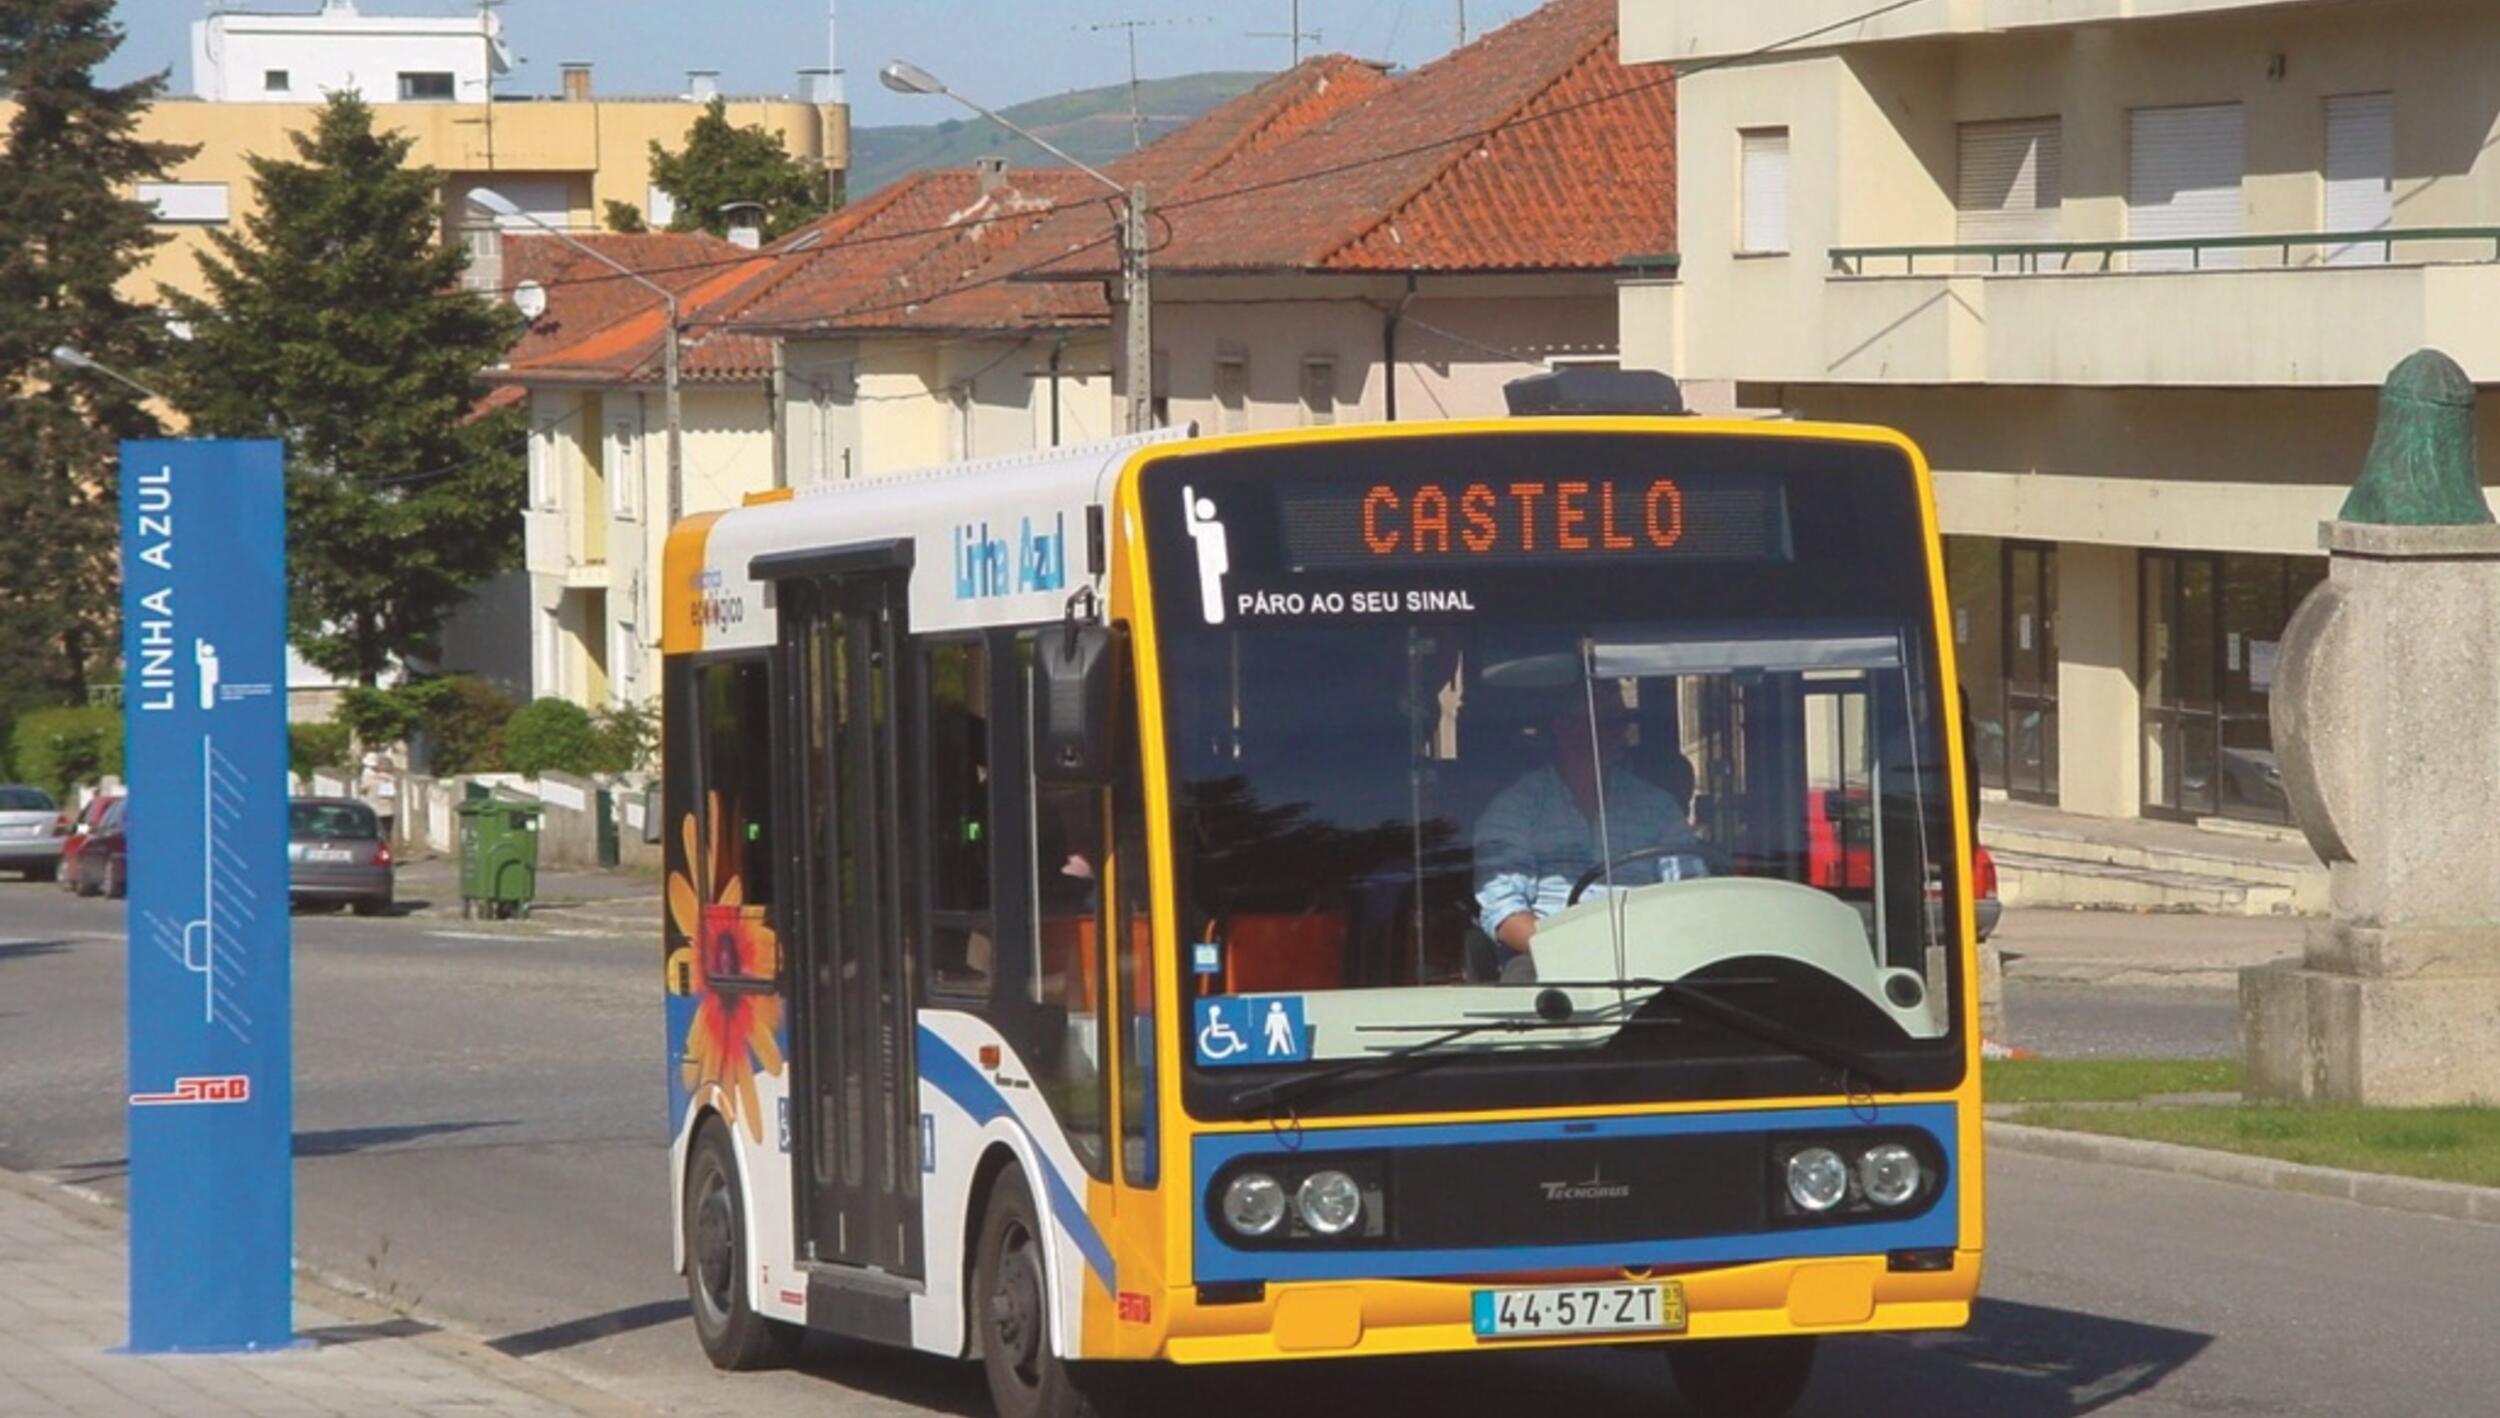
[{"x": 1072, "y": 713}]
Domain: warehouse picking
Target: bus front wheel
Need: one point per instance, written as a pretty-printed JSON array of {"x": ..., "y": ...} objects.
[
  {"x": 1011, "y": 1311},
  {"x": 733, "y": 1335},
  {"x": 1742, "y": 1378}
]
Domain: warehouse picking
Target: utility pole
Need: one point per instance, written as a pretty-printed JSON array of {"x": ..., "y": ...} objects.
[
  {"x": 1136, "y": 292},
  {"x": 1294, "y": 32},
  {"x": 1462, "y": 24}
]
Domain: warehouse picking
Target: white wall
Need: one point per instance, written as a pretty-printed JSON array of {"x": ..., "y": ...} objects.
[
  {"x": 339, "y": 51},
  {"x": 867, "y": 407}
]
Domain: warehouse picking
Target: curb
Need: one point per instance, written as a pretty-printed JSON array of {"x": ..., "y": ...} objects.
[
  {"x": 345, "y": 1301},
  {"x": 2457, "y": 1201}
]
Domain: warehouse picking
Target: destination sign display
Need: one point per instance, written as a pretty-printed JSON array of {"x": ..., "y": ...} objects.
[{"x": 1559, "y": 518}]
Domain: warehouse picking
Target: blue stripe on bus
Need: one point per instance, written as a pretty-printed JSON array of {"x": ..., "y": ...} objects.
[
  {"x": 1939, "y": 1225},
  {"x": 953, "y": 1075}
]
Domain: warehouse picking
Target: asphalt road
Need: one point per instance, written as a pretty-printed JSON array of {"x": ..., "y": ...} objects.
[{"x": 480, "y": 1137}]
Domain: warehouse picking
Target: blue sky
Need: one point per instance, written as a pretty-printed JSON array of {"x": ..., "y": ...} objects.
[{"x": 997, "y": 51}]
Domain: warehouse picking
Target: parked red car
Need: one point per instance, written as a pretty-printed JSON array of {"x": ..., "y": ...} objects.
[
  {"x": 102, "y": 867},
  {"x": 89, "y": 819}
]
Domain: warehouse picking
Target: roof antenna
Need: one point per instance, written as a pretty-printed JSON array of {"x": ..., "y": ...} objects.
[
  {"x": 1136, "y": 115},
  {"x": 1293, "y": 32}
]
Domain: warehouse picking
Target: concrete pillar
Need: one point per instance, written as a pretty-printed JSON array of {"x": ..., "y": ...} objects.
[{"x": 2099, "y": 701}]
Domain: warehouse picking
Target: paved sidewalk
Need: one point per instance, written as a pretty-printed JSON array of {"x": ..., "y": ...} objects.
[
  {"x": 63, "y": 1310},
  {"x": 2141, "y": 948}
]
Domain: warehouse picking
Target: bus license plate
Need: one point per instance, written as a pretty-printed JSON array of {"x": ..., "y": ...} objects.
[{"x": 1580, "y": 1309}]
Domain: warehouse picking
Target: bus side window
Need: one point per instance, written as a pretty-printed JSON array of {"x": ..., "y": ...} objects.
[
  {"x": 733, "y": 820},
  {"x": 963, "y": 930},
  {"x": 1070, "y": 841},
  {"x": 1134, "y": 955}
]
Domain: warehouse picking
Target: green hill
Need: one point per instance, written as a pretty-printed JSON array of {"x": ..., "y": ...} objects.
[{"x": 1091, "y": 123}]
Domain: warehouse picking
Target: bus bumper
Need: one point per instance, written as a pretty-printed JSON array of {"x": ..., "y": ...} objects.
[{"x": 1843, "y": 1295}]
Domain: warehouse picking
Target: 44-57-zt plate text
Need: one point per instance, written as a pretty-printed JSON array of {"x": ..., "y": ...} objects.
[{"x": 1656, "y": 1305}]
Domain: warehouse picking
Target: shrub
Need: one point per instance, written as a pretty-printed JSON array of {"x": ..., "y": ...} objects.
[
  {"x": 551, "y": 735},
  {"x": 629, "y": 737},
  {"x": 58, "y": 749},
  {"x": 381, "y": 716},
  {"x": 313, "y": 746},
  {"x": 465, "y": 716}
]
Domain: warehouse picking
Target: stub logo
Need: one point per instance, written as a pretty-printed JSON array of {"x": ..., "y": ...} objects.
[{"x": 222, "y": 1088}]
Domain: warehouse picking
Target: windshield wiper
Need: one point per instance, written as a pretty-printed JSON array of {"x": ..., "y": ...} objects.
[{"x": 1701, "y": 999}]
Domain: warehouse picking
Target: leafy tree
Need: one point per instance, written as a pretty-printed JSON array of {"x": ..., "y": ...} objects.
[
  {"x": 625, "y": 218},
  {"x": 315, "y": 746},
  {"x": 629, "y": 737},
  {"x": 70, "y": 233},
  {"x": 338, "y": 324},
  {"x": 464, "y": 719},
  {"x": 724, "y": 163}
]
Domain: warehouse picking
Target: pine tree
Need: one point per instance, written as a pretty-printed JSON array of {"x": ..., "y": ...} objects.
[
  {"x": 70, "y": 235},
  {"x": 338, "y": 323},
  {"x": 724, "y": 164}
]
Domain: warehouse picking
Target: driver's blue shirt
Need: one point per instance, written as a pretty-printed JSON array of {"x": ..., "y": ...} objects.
[{"x": 1532, "y": 843}]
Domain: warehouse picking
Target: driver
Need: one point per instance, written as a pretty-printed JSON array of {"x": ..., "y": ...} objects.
[{"x": 1540, "y": 834}]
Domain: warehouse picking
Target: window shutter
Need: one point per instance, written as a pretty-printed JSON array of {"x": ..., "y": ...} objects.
[
  {"x": 2010, "y": 183},
  {"x": 2360, "y": 172},
  {"x": 1764, "y": 193},
  {"x": 2183, "y": 180}
]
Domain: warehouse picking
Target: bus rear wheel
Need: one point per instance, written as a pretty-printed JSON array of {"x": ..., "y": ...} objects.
[
  {"x": 1011, "y": 1311},
  {"x": 733, "y": 1335},
  {"x": 1742, "y": 1378}
]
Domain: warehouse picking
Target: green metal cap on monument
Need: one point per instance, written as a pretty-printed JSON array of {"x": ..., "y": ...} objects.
[{"x": 2421, "y": 468}]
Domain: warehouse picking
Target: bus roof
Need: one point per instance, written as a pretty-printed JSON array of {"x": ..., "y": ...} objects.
[{"x": 991, "y": 541}]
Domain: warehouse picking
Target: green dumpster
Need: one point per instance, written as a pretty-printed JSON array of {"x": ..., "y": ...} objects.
[{"x": 498, "y": 858}]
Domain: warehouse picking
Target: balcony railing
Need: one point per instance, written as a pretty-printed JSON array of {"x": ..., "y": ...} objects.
[{"x": 2031, "y": 257}]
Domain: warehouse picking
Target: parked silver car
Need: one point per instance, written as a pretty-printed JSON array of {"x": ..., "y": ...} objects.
[
  {"x": 32, "y": 831},
  {"x": 335, "y": 852}
]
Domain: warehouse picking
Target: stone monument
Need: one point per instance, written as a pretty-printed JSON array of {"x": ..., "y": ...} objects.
[{"x": 2387, "y": 727}]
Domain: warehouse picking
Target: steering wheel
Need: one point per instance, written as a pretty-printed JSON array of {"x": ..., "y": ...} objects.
[{"x": 1639, "y": 854}]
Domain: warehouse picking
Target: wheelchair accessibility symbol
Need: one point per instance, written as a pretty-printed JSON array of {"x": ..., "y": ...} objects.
[{"x": 1252, "y": 1029}]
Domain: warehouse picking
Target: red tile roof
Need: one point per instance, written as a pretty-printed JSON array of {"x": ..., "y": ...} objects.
[
  {"x": 1532, "y": 149},
  {"x": 584, "y": 296}
]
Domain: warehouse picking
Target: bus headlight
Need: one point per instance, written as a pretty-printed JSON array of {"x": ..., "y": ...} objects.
[
  {"x": 1254, "y": 1203},
  {"x": 1889, "y": 1174},
  {"x": 1817, "y": 1179},
  {"x": 1330, "y": 1202}
]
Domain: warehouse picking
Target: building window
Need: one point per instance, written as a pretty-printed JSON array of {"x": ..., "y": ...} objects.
[
  {"x": 1762, "y": 192},
  {"x": 625, "y": 475},
  {"x": 2008, "y": 185},
  {"x": 274, "y": 81},
  {"x": 658, "y": 207},
  {"x": 542, "y": 465},
  {"x": 2183, "y": 183},
  {"x": 1232, "y": 393},
  {"x": 2360, "y": 173},
  {"x": 186, "y": 203},
  {"x": 1319, "y": 392},
  {"x": 425, "y": 87}
]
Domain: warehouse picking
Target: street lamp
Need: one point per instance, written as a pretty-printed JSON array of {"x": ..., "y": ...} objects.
[
  {"x": 904, "y": 77},
  {"x": 494, "y": 203},
  {"x": 69, "y": 358}
]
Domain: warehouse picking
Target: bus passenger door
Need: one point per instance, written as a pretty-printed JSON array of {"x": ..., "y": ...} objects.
[{"x": 857, "y": 1144}]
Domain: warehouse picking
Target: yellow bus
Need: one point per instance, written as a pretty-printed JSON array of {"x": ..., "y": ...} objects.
[{"x": 1320, "y": 894}]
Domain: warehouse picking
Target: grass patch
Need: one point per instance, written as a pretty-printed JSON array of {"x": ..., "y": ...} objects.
[
  {"x": 2441, "y": 1144},
  {"x": 2103, "y": 1080}
]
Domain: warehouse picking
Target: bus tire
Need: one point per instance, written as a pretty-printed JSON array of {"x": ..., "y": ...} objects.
[
  {"x": 1010, "y": 1310},
  {"x": 733, "y": 1335},
  {"x": 1742, "y": 1378}
]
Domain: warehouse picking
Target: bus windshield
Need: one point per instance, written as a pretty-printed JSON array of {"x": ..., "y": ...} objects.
[{"x": 1490, "y": 800}]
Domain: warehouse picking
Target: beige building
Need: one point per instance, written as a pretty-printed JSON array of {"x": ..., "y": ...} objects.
[
  {"x": 257, "y": 78},
  {"x": 2130, "y": 271}
]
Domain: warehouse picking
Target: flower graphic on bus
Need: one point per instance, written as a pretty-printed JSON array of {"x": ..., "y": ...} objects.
[{"x": 732, "y": 1034}]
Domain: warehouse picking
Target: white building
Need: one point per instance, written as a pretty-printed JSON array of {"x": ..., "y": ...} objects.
[{"x": 258, "y": 57}]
